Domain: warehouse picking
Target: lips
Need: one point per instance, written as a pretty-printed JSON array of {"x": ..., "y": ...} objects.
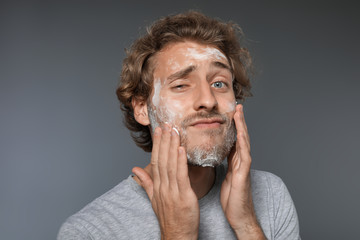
[{"x": 207, "y": 123}]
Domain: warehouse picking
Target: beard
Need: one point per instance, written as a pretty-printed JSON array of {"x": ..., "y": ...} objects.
[{"x": 208, "y": 153}]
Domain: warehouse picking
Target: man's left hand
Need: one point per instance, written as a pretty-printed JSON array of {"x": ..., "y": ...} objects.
[{"x": 236, "y": 198}]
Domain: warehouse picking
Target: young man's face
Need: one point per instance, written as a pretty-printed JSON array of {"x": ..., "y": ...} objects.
[{"x": 193, "y": 92}]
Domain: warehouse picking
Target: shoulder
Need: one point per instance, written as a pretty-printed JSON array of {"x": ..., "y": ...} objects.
[
  {"x": 104, "y": 213},
  {"x": 268, "y": 185},
  {"x": 274, "y": 206},
  {"x": 269, "y": 192},
  {"x": 270, "y": 181}
]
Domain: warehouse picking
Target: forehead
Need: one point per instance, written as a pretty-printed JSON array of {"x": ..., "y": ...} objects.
[{"x": 175, "y": 56}]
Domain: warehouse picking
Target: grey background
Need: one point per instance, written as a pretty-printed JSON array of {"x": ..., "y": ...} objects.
[{"x": 62, "y": 141}]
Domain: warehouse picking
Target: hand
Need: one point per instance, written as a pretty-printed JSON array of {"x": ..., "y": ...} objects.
[
  {"x": 167, "y": 185},
  {"x": 236, "y": 198}
]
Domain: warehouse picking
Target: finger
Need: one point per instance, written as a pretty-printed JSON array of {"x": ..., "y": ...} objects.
[
  {"x": 164, "y": 149},
  {"x": 182, "y": 172},
  {"x": 236, "y": 159},
  {"x": 240, "y": 109},
  {"x": 173, "y": 157},
  {"x": 240, "y": 123},
  {"x": 242, "y": 160},
  {"x": 237, "y": 119},
  {"x": 230, "y": 158},
  {"x": 145, "y": 180},
  {"x": 245, "y": 156},
  {"x": 155, "y": 155},
  {"x": 242, "y": 118}
]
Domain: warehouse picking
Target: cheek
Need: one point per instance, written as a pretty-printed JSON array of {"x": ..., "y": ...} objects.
[
  {"x": 228, "y": 106},
  {"x": 171, "y": 111},
  {"x": 166, "y": 109},
  {"x": 231, "y": 106}
]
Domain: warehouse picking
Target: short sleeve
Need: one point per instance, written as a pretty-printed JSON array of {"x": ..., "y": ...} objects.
[
  {"x": 69, "y": 231},
  {"x": 286, "y": 219}
]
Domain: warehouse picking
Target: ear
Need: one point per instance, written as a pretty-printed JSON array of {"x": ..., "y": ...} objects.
[{"x": 140, "y": 111}]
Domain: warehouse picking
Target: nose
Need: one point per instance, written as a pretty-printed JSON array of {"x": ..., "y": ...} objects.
[{"x": 205, "y": 98}]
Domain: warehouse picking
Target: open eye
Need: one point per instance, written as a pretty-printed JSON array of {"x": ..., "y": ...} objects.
[{"x": 218, "y": 84}]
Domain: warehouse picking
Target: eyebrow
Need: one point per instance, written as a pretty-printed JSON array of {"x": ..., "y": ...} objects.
[
  {"x": 222, "y": 65},
  {"x": 182, "y": 73},
  {"x": 186, "y": 71}
]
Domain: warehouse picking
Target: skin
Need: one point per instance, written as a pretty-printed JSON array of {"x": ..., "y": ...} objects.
[
  {"x": 175, "y": 96},
  {"x": 172, "y": 185}
]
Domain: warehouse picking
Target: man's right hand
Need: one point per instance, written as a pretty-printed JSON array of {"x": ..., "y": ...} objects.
[{"x": 168, "y": 187}]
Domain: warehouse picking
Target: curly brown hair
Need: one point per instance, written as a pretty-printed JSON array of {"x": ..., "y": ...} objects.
[{"x": 136, "y": 78}]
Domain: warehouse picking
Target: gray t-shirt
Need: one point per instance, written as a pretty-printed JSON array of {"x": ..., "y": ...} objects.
[{"x": 125, "y": 212}]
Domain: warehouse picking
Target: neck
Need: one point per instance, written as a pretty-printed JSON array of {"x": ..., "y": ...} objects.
[{"x": 201, "y": 179}]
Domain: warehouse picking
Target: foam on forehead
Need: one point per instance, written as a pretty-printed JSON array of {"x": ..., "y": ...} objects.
[
  {"x": 205, "y": 53},
  {"x": 174, "y": 65}
]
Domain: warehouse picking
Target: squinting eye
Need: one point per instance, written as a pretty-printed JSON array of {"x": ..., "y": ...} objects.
[
  {"x": 218, "y": 84},
  {"x": 179, "y": 86}
]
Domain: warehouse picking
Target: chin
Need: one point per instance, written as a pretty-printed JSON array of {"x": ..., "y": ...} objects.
[
  {"x": 210, "y": 148},
  {"x": 209, "y": 157},
  {"x": 208, "y": 162}
]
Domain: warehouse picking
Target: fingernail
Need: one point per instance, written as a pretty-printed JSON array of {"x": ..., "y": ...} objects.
[
  {"x": 157, "y": 131},
  {"x": 175, "y": 131}
]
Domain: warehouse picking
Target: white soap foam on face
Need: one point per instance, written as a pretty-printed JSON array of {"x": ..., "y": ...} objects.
[
  {"x": 169, "y": 110},
  {"x": 206, "y": 53},
  {"x": 216, "y": 53},
  {"x": 166, "y": 114},
  {"x": 199, "y": 155},
  {"x": 204, "y": 159},
  {"x": 230, "y": 107},
  {"x": 157, "y": 88},
  {"x": 163, "y": 110},
  {"x": 174, "y": 65}
]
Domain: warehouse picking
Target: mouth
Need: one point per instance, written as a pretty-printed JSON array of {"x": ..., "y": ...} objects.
[{"x": 207, "y": 123}]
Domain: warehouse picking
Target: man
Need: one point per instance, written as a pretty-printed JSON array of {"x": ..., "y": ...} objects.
[{"x": 179, "y": 89}]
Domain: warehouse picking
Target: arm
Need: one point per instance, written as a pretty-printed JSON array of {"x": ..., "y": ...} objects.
[
  {"x": 236, "y": 198},
  {"x": 168, "y": 186}
]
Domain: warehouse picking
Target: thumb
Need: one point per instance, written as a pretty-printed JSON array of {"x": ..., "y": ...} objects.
[{"x": 145, "y": 180}]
